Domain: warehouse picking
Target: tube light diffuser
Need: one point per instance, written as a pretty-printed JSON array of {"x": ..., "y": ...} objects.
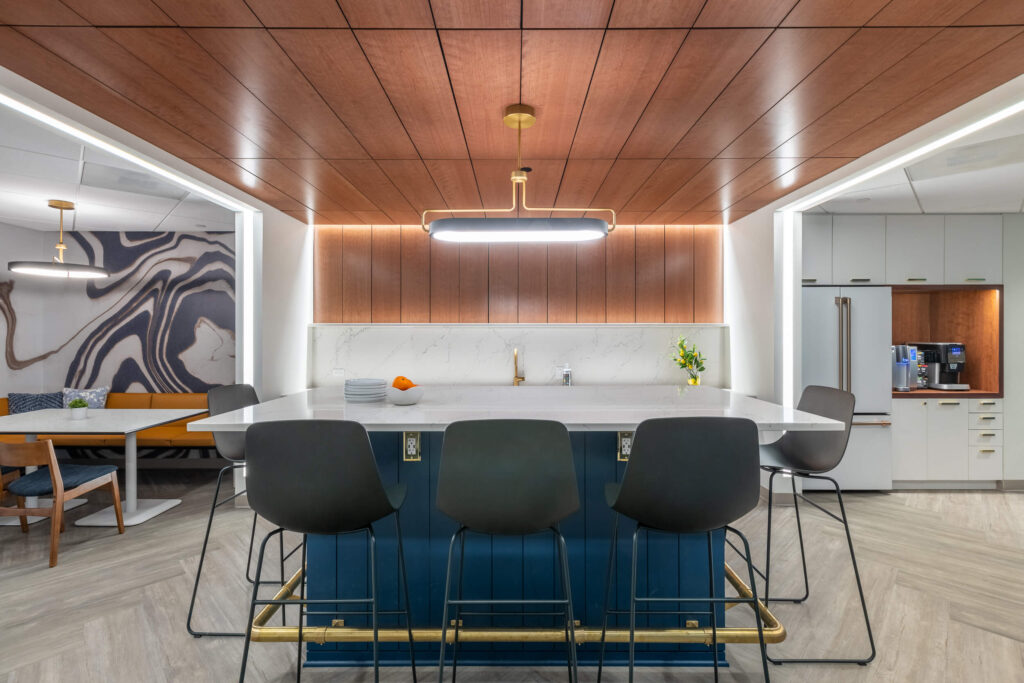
[{"x": 525, "y": 230}]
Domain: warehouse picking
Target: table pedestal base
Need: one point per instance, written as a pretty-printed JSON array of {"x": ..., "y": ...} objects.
[
  {"x": 145, "y": 509},
  {"x": 43, "y": 502}
]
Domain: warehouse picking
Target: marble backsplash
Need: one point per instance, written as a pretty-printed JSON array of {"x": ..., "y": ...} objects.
[{"x": 482, "y": 354}]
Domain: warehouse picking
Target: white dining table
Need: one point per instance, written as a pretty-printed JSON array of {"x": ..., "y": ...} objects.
[{"x": 112, "y": 421}]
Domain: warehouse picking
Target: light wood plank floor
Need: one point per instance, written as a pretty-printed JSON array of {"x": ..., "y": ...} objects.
[{"x": 943, "y": 572}]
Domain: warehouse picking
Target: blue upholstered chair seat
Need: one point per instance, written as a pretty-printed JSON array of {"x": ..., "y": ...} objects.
[{"x": 38, "y": 483}]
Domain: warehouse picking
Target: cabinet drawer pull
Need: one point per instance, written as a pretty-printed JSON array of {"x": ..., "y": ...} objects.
[
  {"x": 986, "y": 450},
  {"x": 949, "y": 403},
  {"x": 987, "y": 417},
  {"x": 974, "y": 279},
  {"x": 871, "y": 424},
  {"x": 917, "y": 279},
  {"x": 986, "y": 403},
  {"x": 860, "y": 279},
  {"x": 987, "y": 434},
  {"x": 809, "y": 280}
]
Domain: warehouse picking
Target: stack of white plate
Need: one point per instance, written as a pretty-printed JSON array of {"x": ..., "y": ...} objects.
[{"x": 365, "y": 390}]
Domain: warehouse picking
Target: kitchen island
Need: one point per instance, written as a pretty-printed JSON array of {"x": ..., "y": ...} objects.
[{"x": 506, "y": 568}]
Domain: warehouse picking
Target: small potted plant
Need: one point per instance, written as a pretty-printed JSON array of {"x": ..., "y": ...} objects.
[
  {"x": 689, "y": 358},
  {"x": 79, "y": 408}
]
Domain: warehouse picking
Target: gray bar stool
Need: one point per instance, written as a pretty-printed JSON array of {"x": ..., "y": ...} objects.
[
  {"x": 320, "y": 477},
  {"x": 808, "y": 455},
  {"x": 507, "y": 478},
  {"x": 231, "y": 447},
  {"x": 686, "y": 475}
]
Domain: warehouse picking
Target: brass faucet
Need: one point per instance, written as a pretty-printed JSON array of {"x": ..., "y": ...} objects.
[{"x": 516, "y": 377}]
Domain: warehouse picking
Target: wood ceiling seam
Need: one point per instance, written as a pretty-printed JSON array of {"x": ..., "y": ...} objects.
[
  {"x": 132, "y": 103},
  {"x": 318, "y": 93},
  {"x": 143, "y": 69},
  {"x": 904, "y": 102},
  {"x": 455, "y": 100},
  {"x": 807, "y": 75},
  {"x": 922, "y": 46}
]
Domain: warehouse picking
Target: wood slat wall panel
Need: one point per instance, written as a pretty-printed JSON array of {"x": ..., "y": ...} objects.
[
  {"x": 561, "y": 283},
  {"x": 415, "y": 275},
  {"x": 679, "y": 273},
  {"x": 533, "y": 283},
  {"x": 707, "y": 274},
  {"x": 444, "y": 282},
  {"x": 356, "y": 271},
  {"x": 386, "y": 274},
  {"x": 473, "y": 284},
  {"x": 620, "y": 281},
  {"x": 591, "y": 271},
  {"x": 503, "y": 283},
  {"x": 328, "y": 302},
  {"x": 650, "y": 274}
]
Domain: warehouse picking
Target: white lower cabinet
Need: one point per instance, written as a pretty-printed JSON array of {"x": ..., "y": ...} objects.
[{"x": 947, "y": 439}]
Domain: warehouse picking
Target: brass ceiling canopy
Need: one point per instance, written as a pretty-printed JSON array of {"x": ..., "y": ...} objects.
[
  {"x": 518, "y": 117},
  {"x": 57, "y": 267}
]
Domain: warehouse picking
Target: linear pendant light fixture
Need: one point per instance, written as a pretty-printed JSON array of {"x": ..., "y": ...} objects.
[
  {"x": 57, "y": 267},
  {"x": 518, "y": 117}
]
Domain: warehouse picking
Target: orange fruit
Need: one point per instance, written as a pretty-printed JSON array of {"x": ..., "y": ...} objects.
[{"x": 402, "y": 383}]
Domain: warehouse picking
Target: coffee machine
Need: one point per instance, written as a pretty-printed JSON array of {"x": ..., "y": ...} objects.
[
  {"x": 904, "y": 367},
  {"x": 945, "y": 361}
]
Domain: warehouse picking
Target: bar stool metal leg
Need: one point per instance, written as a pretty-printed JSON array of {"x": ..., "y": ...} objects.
[
  {"x": 302, "y": 616},
  {"x": 608, "y": 593},
  {"x": 632, "y": 605},
  {"x": 216, "y": 503},
  {"x": 753, "y": 594},
  {"x": 842, "y": 519},
  {"x": 800, "y": 538},
  {"x": 711, "y": 606},
  {"x": 252, "y": 603},
  {"x": 447, "y": 599},
  {"x": 405, "y": 591},
  {"x": 570, "y": 621},
  {"x": 458, "y": 607}
]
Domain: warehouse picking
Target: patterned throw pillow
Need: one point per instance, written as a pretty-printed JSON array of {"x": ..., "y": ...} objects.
[
  {"x": 96, "y": 398},
  {"x": 26, "y": 403}
]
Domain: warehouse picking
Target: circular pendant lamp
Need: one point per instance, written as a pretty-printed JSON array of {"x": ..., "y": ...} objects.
[{"x": 57, "y": 267}]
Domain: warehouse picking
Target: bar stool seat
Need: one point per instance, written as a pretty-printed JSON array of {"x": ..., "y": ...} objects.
[
  {"x": 321, "y": 477},
  {"x": 811, "y": 455},
  {"x": 688, "y": 475},
  {"x": 507, "y": 478}
]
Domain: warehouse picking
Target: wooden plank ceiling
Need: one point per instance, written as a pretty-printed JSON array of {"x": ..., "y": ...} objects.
[{"x": 370, "y": 111}]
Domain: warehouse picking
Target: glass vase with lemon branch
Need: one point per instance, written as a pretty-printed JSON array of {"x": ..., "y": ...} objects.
[{"x": 689, "y": 358}]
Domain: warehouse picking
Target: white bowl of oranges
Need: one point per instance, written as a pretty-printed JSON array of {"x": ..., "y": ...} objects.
[{"x": 403, "y": 392}]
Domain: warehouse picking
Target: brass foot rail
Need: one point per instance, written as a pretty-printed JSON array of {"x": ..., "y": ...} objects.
[{"x": 774, "y": 632}]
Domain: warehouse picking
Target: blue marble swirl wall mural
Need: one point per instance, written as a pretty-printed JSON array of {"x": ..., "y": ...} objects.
[{"x": 164, "y": 321}]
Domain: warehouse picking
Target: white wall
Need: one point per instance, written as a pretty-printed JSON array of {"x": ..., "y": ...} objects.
[
  {"x": 286, "y": 309},
  {"x": 27, "y": 298},
  {"x": 1013, "y": 339},
  {"x": 750, "y": 302}
]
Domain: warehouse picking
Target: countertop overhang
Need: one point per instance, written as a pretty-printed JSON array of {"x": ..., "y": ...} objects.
[{"x": 580, "y": 408}]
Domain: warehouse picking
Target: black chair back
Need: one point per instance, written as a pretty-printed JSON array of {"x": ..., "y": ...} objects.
[
  {"x": 820, "y": 451},
  {"x": 507, "y": 476},
  {"x": 691, "y": 474},
  {"x": 314, "y": 476},
  {"x": 224, "y": 399}
]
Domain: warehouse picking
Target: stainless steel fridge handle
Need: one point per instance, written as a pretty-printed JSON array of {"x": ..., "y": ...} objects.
[
  {"x": 849, "y": 345},
  {"x": 839, "y": 341}
]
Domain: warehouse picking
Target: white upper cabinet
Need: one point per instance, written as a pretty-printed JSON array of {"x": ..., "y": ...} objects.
[
  {"x": 914, "y": 249},
  {"x": 817, "y": 249},
  {"x": 974, "y": 249},
  {"x": 858, "y": 250}
]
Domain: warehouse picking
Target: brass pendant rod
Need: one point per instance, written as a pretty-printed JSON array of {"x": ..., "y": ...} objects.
[{"x": 60, "y": 246}]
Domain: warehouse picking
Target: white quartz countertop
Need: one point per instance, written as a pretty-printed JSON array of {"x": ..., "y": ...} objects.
[
  {"x": 99, "y": 421},
  {"x": 580, "y": 408}
]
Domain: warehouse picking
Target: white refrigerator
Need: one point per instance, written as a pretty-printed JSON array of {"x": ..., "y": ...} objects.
[{"x": 847, "y": 343}]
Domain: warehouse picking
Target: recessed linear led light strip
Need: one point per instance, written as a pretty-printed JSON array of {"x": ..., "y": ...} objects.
[
  {"x": 789, "y": 218},
  {"x": 248, "y": 214}
]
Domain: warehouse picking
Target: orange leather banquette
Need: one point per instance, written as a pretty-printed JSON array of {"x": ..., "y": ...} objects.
[{"x": 173, "y": 435}]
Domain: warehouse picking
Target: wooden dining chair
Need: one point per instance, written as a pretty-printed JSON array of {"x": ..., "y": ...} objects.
[{"x": 62, "y": 481}]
